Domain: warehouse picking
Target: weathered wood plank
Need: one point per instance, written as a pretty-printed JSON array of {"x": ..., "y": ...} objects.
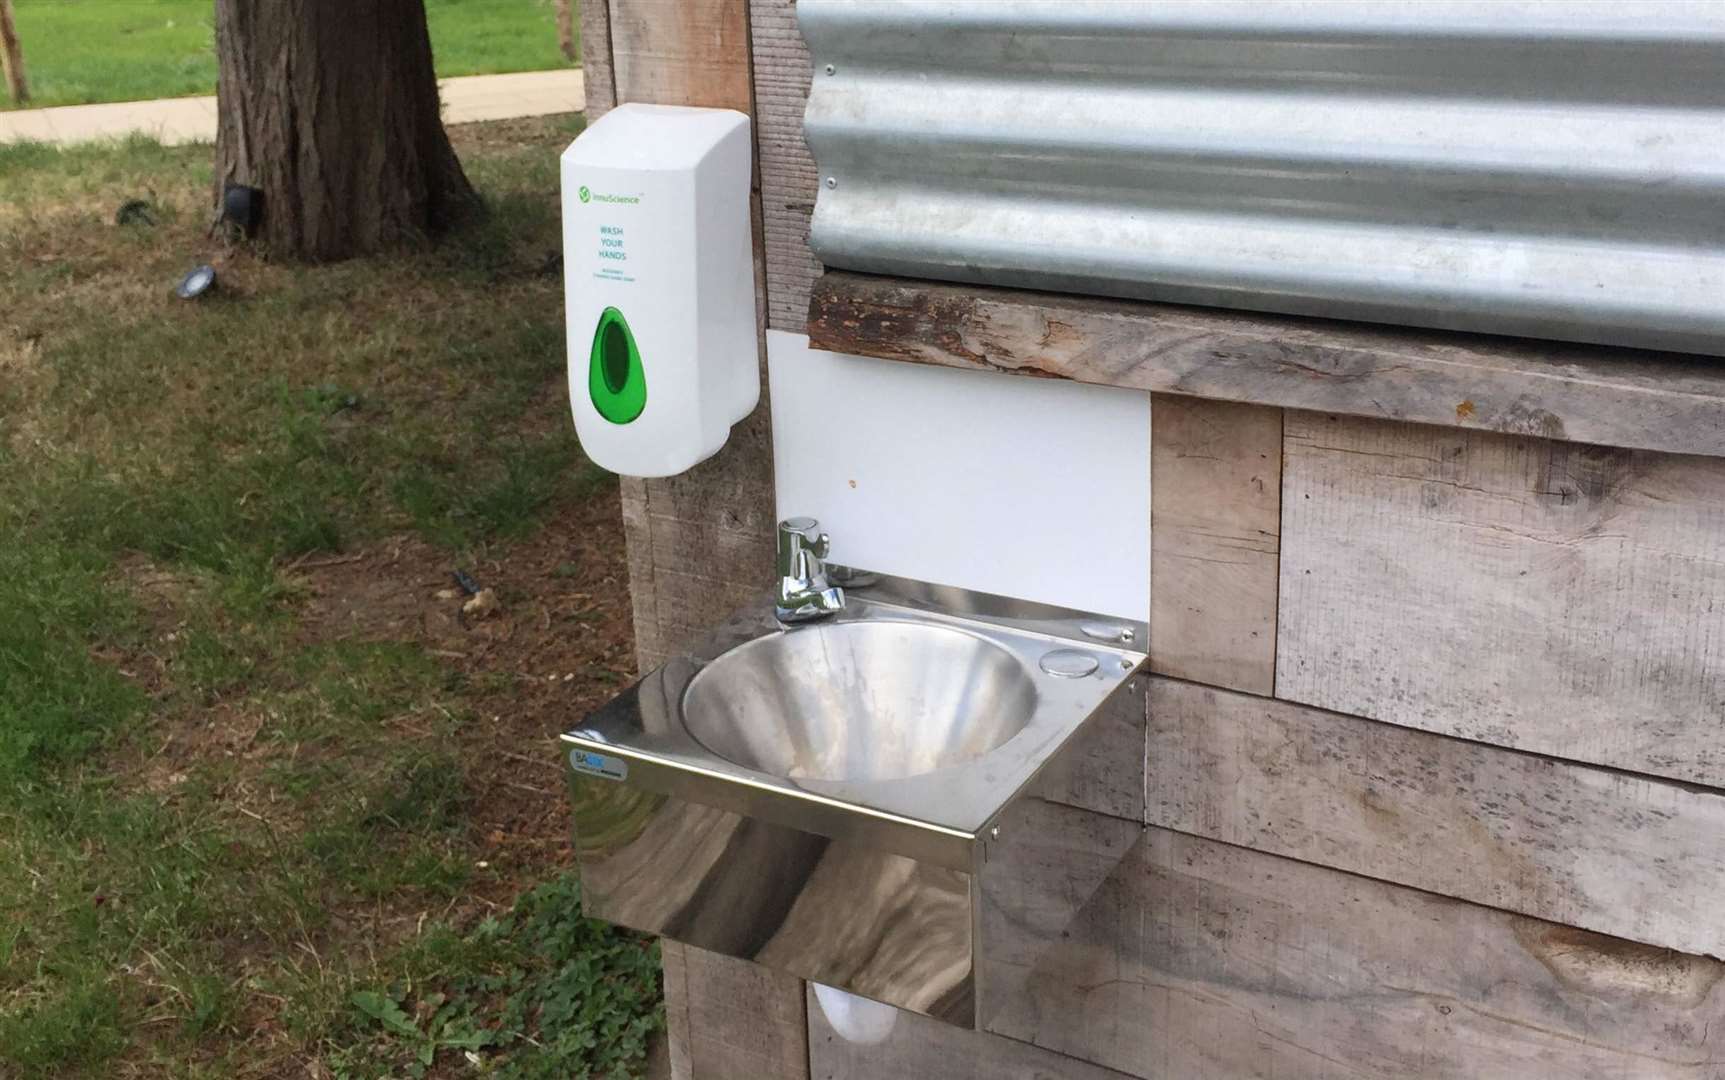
[
  {"x": 697, "y": 553},
  {"x": 924, "y": 1049},
  {"x": 1624, "y": 855},
  {"x": 731, "y": 1019},
  {"x": 1202, "y": 961},
  {"x": 1568, "y": 600},
  {"x": 681, "y": 580},
  {"x": 1581, "y": 393},
  {"x": 682, "y": 52},
  {"x": 788, "y": 177},
  {"x": 597, "y": 73},
  {"x": 1216, "y": 493},
  {"x": 700, "y": 544}
]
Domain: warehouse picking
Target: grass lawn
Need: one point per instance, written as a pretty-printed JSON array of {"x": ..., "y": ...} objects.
[
  {"x": 270, "y": 804},
  {"x": 82, "y": 51}
]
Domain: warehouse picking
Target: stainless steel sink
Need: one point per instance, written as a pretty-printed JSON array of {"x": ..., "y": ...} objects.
[
  {"x": 875, "y": 700},
  {"x": 852, "y": 799}
]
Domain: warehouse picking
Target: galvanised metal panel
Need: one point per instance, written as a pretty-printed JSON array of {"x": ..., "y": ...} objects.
[{"x": 1551, "y": 169}]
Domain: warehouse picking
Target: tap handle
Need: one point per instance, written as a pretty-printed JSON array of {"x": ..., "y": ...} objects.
[
  {"x": 804, "y": 590},
  {"x": 801, "y": 535},
  {"x": 805, "y": 527},
  {"x": 805, "y": 533}
]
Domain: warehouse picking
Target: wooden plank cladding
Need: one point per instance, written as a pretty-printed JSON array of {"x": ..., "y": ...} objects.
[
  {"x": 1568, "y": 600},
  {"x": 1618, "y": 397},
  {"x": 730, "y": 1018},
  {"x": 1437, "y": 812},
  {"x": 717, "y": 519},
  {"x": 924, "y": 1049},
  {"x": 1624, "y": 855},
  {"x": 1201, "y": 961},
  {"x": 598, "y": 78},
  {"x": 789, "y": 180},
  {"x": 681, "y": 52},
  {"x": 1215, "y": 503}
]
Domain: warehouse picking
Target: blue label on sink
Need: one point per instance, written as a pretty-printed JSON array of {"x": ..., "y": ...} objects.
[{"x": 603, "y": 766}]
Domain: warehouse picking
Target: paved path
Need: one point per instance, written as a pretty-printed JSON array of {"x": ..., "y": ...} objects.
[{"x": 193, "y": 119}]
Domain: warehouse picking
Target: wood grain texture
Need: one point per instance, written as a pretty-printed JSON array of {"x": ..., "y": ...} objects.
[
  {"x": 789, "y": 180},
  {"x": 598, "y": 75},
  {"x": 922, "y": 1049},
  {"x": 700, "y": 544},
  {"x": 682, "y": 52},
  {"x": 731, "y": 1019},
  {"x": 1620, "y": 854},
  {"x": 1215, "y": 491},
  {"x": 1563, "y": 599},
  {"x": 673, "y": 961},
  {"x": 1202, "y": 961},
  {"x": 1581, "y": 393}
]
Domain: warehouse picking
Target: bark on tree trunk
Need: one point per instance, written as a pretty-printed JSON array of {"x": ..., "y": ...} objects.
[
  {"x": 330, "y": 108},
  {"x": 12, "y": 56},
  {"x": 566, "y": 28}
]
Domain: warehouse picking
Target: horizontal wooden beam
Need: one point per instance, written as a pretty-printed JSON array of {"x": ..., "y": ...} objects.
[
  {"x": 1578, "y": 393},
  {"x": 1197, "y": 960},
  {"x": 1630, "y": 856},
  {"x": 1558, "y": 599}
]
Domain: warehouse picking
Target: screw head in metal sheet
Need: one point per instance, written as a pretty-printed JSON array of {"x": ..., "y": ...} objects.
[
  {"x": 1069, "y": 663},
  {"x": 831, "y": 70},
  {"x": 832, "y": 182}
]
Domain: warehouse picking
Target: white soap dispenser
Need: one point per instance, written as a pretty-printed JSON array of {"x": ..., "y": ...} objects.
[{"x": 659, "y": 285}]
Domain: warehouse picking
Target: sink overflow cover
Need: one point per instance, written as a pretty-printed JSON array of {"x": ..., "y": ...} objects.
[{"x": 1069, "y": 663}]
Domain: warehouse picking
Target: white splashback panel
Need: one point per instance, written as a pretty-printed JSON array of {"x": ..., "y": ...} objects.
[{"x": 1033, "y": 488}]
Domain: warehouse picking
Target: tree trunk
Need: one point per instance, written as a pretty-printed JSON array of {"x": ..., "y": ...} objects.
[
  {"x": 566, "y": 28},
  {"x": 12, "y": 56},
  {"x": 330, "y": 108}
]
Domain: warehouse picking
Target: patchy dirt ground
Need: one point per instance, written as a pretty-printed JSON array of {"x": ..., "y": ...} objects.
[
  {"x": 554, "y": 643},
  {"x": 558, "y": 645},
  {"x": 269, "y": 787}
]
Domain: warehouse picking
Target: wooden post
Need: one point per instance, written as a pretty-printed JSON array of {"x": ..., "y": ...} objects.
[
  {"x": 566, "y": 29},
  {"x": 12, "y": 56},
  {"x": 728, "y": 1018}
]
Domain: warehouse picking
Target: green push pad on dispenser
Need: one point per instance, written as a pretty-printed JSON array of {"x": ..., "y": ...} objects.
[{"x": 615, "y": 379}]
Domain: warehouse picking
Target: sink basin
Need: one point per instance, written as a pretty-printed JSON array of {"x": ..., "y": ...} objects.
[
  {"x": 859, "y": 701},
  {"x": 911, "y": 719},
  {"x": 870, "y": 801}
]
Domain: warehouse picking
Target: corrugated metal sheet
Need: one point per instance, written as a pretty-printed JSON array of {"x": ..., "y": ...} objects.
[{"x": 1550, "y": 169}]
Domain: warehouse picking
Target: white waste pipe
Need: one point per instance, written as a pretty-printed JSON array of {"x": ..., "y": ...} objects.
[{"x": 856, "y": 1019}]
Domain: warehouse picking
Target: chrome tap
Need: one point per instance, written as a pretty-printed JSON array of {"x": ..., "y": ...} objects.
[{"x": 804, "y": 591}]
